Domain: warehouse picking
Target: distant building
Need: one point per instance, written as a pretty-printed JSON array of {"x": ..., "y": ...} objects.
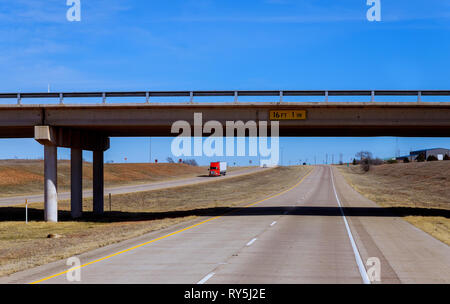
[{"x": 439, "y": 153}]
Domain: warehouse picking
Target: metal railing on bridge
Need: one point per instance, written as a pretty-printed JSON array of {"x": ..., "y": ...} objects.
[{"x": 236, "y": 94}]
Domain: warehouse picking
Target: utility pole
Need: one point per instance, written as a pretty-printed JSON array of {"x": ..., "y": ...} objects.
[
  {"x": 397, "y": 152},
  {"x": 326, "y": 158},
  {"x": 150, "y": 151}
]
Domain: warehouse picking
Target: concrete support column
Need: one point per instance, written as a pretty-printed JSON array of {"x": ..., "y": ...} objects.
[
  {"x": 98, "y": 182},
  {"x": 50, "y": 184},
  {"x": 76, "y": 182}
]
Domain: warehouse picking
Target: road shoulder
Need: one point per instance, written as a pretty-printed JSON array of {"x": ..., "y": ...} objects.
[{"x": 406, "y": 253}]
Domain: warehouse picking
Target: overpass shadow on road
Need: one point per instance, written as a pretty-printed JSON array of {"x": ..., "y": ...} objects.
[{"x": 18, "y": 213}]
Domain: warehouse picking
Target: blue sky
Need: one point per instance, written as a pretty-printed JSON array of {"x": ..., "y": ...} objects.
[{"x": 215, "y": 45}]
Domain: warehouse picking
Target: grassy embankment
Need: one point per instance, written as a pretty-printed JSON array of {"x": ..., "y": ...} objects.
[
  {"x": 26, "y": 245},
  {"x": 26, "y": 177},
  {"x": 418, "y": 187},
  {"x": 22, "y": 177}
]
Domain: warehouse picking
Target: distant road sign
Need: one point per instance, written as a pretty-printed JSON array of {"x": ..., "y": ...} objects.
[{"x": 287, "y": 115}]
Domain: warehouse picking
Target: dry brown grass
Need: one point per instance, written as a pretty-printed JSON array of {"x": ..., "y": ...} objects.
[
  {"x": 421, "y": 186},
  {"x": 23, "y": 246},
  {"x": 20, "y": 177}
]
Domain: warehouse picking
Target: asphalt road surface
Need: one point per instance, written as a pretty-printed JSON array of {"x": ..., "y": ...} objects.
[
  {"x": 298, "y": 236},
  {"x": 20, "y": 200}
]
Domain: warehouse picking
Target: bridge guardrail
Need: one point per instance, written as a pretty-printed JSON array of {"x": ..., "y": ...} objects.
[{"x": 192, "y": 94}]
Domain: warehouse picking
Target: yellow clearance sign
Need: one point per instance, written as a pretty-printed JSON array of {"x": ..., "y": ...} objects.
[{"x": 287, "y": 114}]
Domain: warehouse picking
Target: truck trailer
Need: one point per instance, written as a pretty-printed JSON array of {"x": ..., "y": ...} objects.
[{"x": 217, "y": 168}]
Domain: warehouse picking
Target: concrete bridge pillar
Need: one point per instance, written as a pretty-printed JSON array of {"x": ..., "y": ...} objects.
[
  {"x": 50, "y": 184},
  {"x": 77, "y": 140},
  {"x": 76, "y": 182},
  {"x": 98, "y": 191}
]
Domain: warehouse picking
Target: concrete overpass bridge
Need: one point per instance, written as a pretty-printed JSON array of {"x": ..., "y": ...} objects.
[{"x": 89, "y": 126}]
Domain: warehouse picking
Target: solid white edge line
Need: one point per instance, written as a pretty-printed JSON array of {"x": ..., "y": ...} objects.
[
  {"x": 273, "y": 223},
  {"x": 359, "y": 262},
  {"x": 251, "y": 242},
  {"x": 206, "y": 278}
]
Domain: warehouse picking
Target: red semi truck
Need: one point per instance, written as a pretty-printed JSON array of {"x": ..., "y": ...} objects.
[{"x": 218, "y": 169}]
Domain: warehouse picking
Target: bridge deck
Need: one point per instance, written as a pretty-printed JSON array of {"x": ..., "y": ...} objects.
[{"x": 155, "y": 119}]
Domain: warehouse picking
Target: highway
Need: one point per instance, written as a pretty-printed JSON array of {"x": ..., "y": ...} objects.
[
  {"x": 37, "y": 198},
  {"x": 318, "y": 231}
]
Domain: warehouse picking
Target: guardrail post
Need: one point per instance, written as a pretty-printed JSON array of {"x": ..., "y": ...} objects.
[
  {"x": 419, "y": 96},
  {"x": 235, "y": 96},
  {"x": 147, "y": 97},
  {"x": 281, "y": 96},
  {"x": 19, "y": 99},
  {"x": 191, "y": 96},
  {"x": 326, "y": 96},
  {"x": 372, "y": 96},
  {"x": 103, "y": 97},
  {"x": 61, "y": 98}
]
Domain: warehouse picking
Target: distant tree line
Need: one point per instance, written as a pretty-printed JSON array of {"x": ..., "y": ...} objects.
[
  {"x": 191, "y": 162},
  {"x": 421, "y": 158},
  {"x": 365, "y": 159}
]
